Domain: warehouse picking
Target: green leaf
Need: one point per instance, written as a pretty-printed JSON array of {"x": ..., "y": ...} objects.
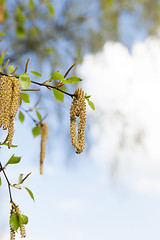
[
  {"x": 58, "y": 95},
  {"x": 13, "y": 160},
  {"x": 1, "y": 58},
  {"x": 36, "y": 131},
  {"x": 21, "y": 116},
  {"x": 1, "y": 33},
  {"x": 91, "y": 104},
  {"x": 23, "y": 219},
  {"x": 72, "y": 80},
  {"x": 24, "y": 80},
  {"x": 0, "y": 181},
  {"x": 30, "y": 193},
  {"x": 6, "y": 144},
  {"x": 57, "y": 76},
  {"x": 39, "y": 116},
  {"x": 87, "y": 96},
  {"x": 31, "y": 4},
  {"x": 25, "y": 97},
  {"x": 36, "y": 74},
  {"x": 14, "y": 222},
  {"x": 20, "y": 31},
  {"x": 50, "y": 8},
  {"x": 20, "y": 178},
  {"x": 10, "y": 68}
]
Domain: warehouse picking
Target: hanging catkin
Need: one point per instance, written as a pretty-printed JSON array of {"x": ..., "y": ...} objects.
[
  {"x": 9, "y": 104},
  {"x": 44, "y": 135},
  {"x": 78, "y": 109}
]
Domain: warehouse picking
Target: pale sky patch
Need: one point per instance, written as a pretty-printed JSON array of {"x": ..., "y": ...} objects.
[{"x": 125, "y": 88}]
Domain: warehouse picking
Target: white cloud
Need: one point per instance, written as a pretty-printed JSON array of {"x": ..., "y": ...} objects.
[{"x": 125, "y": 88}]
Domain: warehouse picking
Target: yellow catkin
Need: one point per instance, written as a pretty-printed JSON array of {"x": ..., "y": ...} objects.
[
  {"x": 22, "y": 227},
  {"x": 7, "y": 102},
  {"x": 2, "y": 98},
  {"x": 12, "y": 232},
  {"x": 16, "y": 96},
  {"x": 44, "y": 135},
  {"x": 78, "y": 109}
]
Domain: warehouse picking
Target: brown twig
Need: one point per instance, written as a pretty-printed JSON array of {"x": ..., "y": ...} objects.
[
  {"x": 69, "y": 69},
  {"x": 9, "y": 185},
  {"x": 26, "y": 67}
]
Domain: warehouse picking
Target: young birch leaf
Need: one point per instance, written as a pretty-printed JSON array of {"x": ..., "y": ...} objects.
[
  {"x": 39, "y": 116},
  {"x": 25, "y": 97},
  {"x": 57, "y": 76},
  {"x": 30, "y": 193},
  {"x": 1, "y": 33},
  {"x": 91, "y": 104},
  {"x": 24, "y": 80},
  {"x": 50, "y": 8},
  {"x": 6, "y": 144},
  {"x": 21, "y": 116},
  {"x": 23, "y": 219},
  {"x": 20, "y": 178},
  {"x": 0, "y": 181},
  {"x": 72, "y": 80},
  {"x": 36, "y": 131},
  {"x": 36, "y": 74},
  {"x": 1, "y": 58},
  {"x": 10, "y": 68},
  {"x": 13, "y": 160},
  {"x": 14, "y": 222},
  {"x": 58, "y": 95}
]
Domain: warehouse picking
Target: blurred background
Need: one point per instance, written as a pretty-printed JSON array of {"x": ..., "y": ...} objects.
[{"x": 111, "y": 190}]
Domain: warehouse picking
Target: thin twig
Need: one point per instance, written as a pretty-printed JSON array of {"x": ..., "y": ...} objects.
[
  {"x": 14, "y": 70},
  {"x": 30, "y": 89},
  {"x": 69, "y": 69},
  {"x": 46, "y": 85},
  {"x": 9, "y": 185},
  {"x": 26, "y": 67}
]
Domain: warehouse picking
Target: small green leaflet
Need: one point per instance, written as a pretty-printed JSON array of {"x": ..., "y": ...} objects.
[
  {"x": 21, "y": 116},
  {"x": 23, "y": 219},
  {"x": 1, "y": 33},
  {"x": 36, "y": 74},
  {"x": 72, "y": 80},
  {"x": 39, "y": 116},
  {"x": 30, "y": 193},
  {"x": 14, "y": 222},
  {"x": 20, "y": 178},
  {"x": 6, "y": 144},
  {"x": 1, "y": 58},
  {"x": 13, "y": 160},
  {"x": 36, "y": 131},
  {"x": 58, "y": 95},
  {"x": 57, "y": 76},
  {"x": 24, "y": 80},
  {"x": 0, "y": 181},
  {"x": 10, "y": 68},
  {"x": 50, "y": 8},
  {"x": 91, "y": 104},
  {"x": 25, "y": 97}
]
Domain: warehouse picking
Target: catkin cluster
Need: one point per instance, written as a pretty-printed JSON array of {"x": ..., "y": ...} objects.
[
  {"x": 15, "y": 210},
  {"x": 44, "y": 136},
  {"x": 12, "y": 232},
  {"x": 78, "y": 109},
  {"x": 9, "y": 104}
]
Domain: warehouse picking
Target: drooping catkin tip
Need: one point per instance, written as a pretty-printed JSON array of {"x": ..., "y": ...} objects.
[
  {"x": 78, "y": 109},
  {"x": 44, "y": 135}
]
